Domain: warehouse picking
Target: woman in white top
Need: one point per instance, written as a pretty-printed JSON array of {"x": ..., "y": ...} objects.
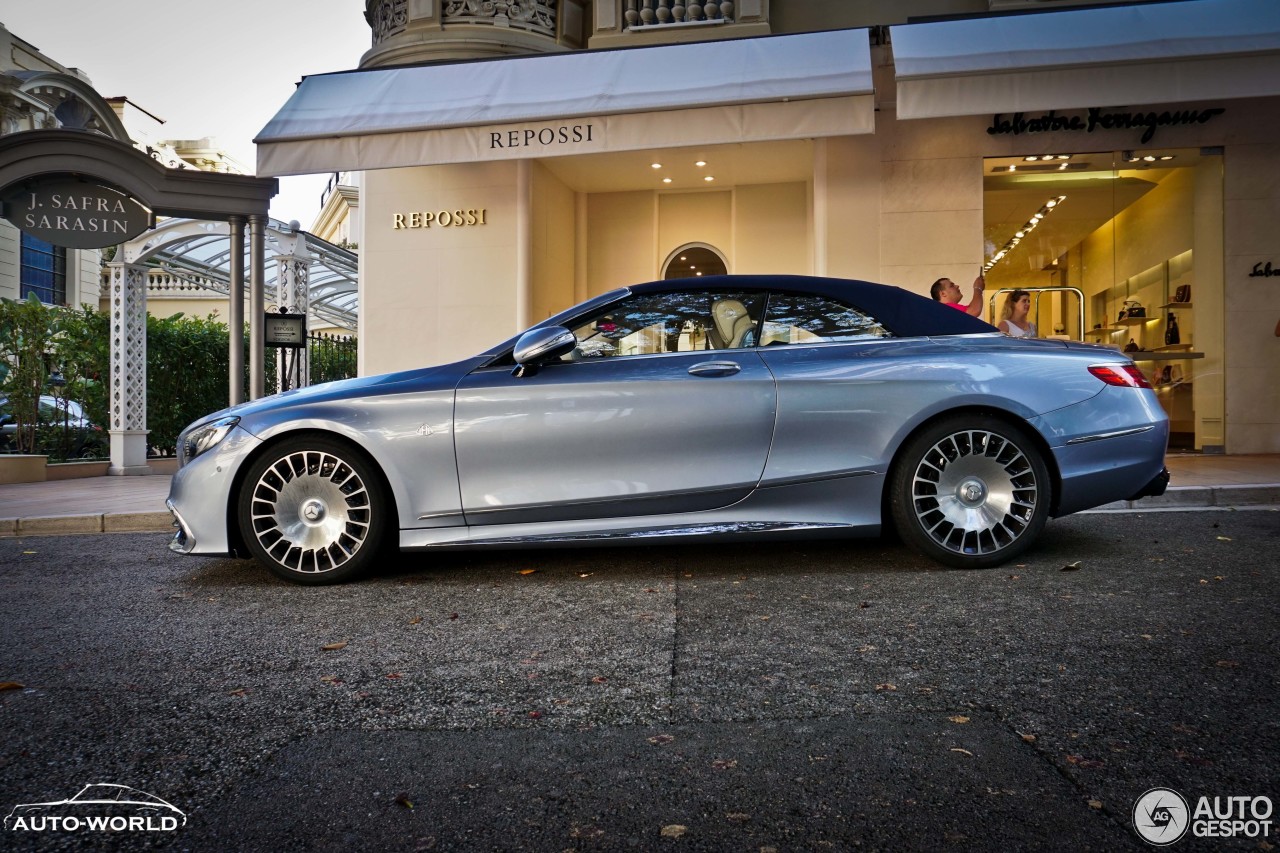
[{"x": 1014, "y": 321}]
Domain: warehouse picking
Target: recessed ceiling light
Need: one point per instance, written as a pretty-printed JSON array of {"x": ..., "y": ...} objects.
[
  {"x": 655, "y": 165},
  {"x": 666, "y": 180},
  {"x": 701, "y": 163},
  {"x": 708, "y": 178},
  {"x": 1048, "y": 207}
]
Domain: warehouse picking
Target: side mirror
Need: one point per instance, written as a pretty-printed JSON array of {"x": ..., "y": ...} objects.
[{"x": 538, "y": 346}]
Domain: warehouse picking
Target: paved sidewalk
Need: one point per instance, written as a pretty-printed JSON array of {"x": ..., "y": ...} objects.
[
  {"x": 88, "y": 505},
  {"x": 136, "y": 504}
]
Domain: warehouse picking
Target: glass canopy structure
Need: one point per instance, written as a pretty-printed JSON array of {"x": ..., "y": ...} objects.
[{"x": 198, "y": 253}]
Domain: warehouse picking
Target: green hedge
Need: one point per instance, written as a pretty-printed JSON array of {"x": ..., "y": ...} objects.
[
  {"x": 187, "y": 364},
  {"x": 186, "y": 374}
]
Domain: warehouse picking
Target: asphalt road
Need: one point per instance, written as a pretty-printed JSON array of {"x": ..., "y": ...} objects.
[{"x": 809, "y": 696}]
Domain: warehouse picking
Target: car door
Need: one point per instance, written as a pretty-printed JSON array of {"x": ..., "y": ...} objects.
[
  {"x": 643, "y": 419},
  {"x": 838, "y": 372}
]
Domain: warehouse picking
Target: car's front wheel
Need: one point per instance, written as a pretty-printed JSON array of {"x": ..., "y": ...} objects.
[
  {"x": 970, "y": 491},
  {"x": 313, "y": 511}
]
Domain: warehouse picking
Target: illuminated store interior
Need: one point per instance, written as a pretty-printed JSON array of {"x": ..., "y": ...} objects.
[{"x": 1110, "y": 247}]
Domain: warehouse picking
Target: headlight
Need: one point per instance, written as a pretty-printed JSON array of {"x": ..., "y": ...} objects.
[{"x": 207, "y": 436}]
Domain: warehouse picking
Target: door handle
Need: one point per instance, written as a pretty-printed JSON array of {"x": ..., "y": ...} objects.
[{"x": 715, "y": 368}]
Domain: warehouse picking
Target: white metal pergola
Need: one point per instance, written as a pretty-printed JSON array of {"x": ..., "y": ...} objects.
[{"x": 319, "y": 277}]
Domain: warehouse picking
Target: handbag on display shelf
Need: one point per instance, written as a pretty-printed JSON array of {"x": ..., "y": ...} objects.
[
  {"x": 1132, "y": 309},
  {"x": 1183, "y": 293}
]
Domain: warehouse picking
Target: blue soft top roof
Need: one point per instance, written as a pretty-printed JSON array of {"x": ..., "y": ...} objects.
[{"x": 905, "y": 314}]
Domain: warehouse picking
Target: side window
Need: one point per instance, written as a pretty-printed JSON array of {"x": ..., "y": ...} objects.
[
  {"x": 654, "y": 323},
  {"x": 796, "y": 319}
]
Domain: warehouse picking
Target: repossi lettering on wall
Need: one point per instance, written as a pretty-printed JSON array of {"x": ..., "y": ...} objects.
[
  {"x": 564, "y": 134},
  {"x": 456, "y": 218}
]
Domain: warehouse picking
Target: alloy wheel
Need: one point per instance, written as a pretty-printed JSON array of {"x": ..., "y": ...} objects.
[
  {"x": 974, "y": 492},
  {"x": 310, "y": 511}
]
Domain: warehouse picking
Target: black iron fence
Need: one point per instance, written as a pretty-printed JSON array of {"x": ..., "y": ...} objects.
[{"x": 330, "y": 357}]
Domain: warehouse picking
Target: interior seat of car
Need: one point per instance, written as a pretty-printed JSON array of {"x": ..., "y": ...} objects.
[{"x": 730, "y": 324}]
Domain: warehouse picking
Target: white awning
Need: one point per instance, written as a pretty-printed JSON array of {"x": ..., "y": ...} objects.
[
  {"x": 1108, "y": 56},
  {"x": 780, "y": 87}
]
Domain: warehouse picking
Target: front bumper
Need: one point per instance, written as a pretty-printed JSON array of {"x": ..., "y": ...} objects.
[
  {"x": 184, "y": 541},
  {"x": 201, "y": 496}
]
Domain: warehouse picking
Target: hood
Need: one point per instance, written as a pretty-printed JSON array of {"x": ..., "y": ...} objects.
[{"x": 440, "y": 377}]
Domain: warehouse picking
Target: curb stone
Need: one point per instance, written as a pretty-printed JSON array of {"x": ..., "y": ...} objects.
[
  {"x": 61, "y": 525},
  {"x": 1201, "y": 497}
]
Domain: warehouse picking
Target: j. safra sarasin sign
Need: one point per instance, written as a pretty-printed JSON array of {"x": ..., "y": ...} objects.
[{"x": 75, "y": 214}]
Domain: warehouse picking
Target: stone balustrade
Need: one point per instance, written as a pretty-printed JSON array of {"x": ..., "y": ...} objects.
[
  {"x": 641, "y": 14},
  {"x": 164, "y": 283}
]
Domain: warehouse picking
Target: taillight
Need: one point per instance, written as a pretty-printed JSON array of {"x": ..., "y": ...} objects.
[{"x": 1124, "y": 375}]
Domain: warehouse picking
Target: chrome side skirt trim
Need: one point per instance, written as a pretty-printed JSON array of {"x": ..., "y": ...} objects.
[
  {"x": 441, "y": 516},
  {"x": 816, "y": 478},
  {"x": 1085, "y": 439},
  {"x": 623, "y": 506},
  {"x": 424, "y": 538}
]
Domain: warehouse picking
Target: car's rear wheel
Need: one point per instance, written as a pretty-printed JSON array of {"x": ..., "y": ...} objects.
[
  {"x": 313, "y": 511},
  {"x": 970, "y": 491}
]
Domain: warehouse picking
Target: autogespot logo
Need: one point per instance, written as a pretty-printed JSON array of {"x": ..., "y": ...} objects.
[
  {"x": 1160, "y": 816},
  {"x": 101, "y": 807}
]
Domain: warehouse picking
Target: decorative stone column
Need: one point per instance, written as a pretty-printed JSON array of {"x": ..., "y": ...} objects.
[
  {"x": 293, "y": 296},
  {"x": 128, "y": 390}
]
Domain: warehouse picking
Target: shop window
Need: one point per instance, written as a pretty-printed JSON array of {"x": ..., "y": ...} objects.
[
  {"x": 1106, "y": 244},
  {"x": 44, "y": 271}
]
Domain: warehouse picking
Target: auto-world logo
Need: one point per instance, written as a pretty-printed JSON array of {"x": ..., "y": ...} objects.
[
  {"x": 1162, "y": 816},
  {"x": 100, "y": 807}
]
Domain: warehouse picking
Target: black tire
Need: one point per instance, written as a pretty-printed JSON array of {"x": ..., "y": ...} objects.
[
  {"x": 971, "y": 491},
  {"x": 313, "y": 511}
]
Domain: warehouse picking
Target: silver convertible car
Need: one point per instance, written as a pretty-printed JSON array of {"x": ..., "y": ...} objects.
[{"x": 717, "y": 407}]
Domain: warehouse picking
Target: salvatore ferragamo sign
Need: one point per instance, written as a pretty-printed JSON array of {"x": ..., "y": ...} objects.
[
  {"x": 1098, "y": 118},
  {"x": 78, "y": 215}
]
